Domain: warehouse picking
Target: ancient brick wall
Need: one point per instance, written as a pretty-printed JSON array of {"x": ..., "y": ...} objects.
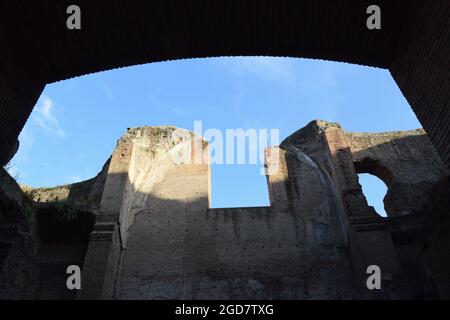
[
  {"x": 156, "y": 237},
  {"x": 410, "y": 167},
  {"x": 179, "y": 248},
  {"x": 315, "y": 240}
]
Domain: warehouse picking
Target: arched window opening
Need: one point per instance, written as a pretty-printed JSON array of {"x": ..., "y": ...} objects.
[
  {"x": 374, "y": 167},
  {"x": 374, "y": 190}
]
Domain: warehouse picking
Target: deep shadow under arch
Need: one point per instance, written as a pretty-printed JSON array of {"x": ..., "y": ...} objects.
[{"x": 37, "y": 48}]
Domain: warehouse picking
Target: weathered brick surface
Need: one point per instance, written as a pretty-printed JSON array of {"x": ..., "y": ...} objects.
[
  {"x": 156, "y": 236},
  {"x": 315, "y": 240},
  {"x": 176, "y": 247},
  {"x": 406, "y": 161}
]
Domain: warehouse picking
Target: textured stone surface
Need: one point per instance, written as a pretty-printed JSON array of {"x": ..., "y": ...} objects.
[
  {"x": 178, "y": 248},
  {"x": 436, "y": 236},
  {"x": 314, "y": 241},
  {"x": 87, "y": 192},
  {"x": 19, "y": 271},
  {"x": 155, "y": 236},
  {"x": 413, "y": 44},
  {"x": 406, "y": 161},
  {"x": 36, "y": 244}
]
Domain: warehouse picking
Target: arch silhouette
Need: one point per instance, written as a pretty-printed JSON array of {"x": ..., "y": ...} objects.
[
  {"x": 37, "y": 47},
  {"x": 371, "y": 188}
]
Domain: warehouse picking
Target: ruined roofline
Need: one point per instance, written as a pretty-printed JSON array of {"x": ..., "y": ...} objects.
[
  {"x": 61, "y": 192},
  {"x": 82, "y": 192},
  {"x": 399, "y": 133},
  {"x": 319, "y": 126},
  {"x": 160, "y": 133},
  {"x": 163, "y": 131}
]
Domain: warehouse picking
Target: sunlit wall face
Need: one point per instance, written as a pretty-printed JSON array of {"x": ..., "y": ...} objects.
[{"x": 75, "y": 124}]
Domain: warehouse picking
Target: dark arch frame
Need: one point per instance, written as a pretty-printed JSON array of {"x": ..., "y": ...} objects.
[
  {"x": 378, "y": 170},
  {"x": 375, "y": 168},
  {"x": 37, "y": 48}
]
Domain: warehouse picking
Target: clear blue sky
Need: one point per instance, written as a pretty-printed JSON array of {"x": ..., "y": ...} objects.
[{"x": 76, "y": 123}]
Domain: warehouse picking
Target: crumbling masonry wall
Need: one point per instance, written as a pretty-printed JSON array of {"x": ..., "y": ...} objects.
[
  {"x": 408, "y": 164},
  {"x": 155, "y": 236},
  {"x": 315, "y": 240}
]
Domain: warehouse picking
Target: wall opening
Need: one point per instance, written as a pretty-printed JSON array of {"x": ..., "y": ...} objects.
[
  {"x": 224, "y": 93},
  {"x": 374, "y": 190},
  {"x": 234, "y": 185}
]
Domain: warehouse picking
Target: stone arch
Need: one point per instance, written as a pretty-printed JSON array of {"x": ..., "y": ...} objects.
[
  {"x": 376, "y": 168},
  {"x": 39, "y": 49},
  {"x": 408, "y": 164},
  {"x": 400, "y": 197},
  {"x": 374, "y": 190}
]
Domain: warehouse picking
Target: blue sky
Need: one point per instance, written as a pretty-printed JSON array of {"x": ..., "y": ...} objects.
[{"x": 76, "y": 123}]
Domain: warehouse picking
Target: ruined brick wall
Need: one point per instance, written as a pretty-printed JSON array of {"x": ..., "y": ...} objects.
[
  {"x": 408, "y": 164},
  {"x": 314, "y": 241},
  {"x": 406, "y": 161},
  {"x": 410, "y": 167},
  {"x": 155, "y": 236},
  {"x": 295, "y": 249}
]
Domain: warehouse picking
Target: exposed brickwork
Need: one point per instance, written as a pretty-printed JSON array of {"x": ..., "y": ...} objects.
[
  {"x": 314, "y": 241},
  {"x": 179, "y": 248},
  {"x": 156, "y": 237},
  {"x": 406, "y": 161}
]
